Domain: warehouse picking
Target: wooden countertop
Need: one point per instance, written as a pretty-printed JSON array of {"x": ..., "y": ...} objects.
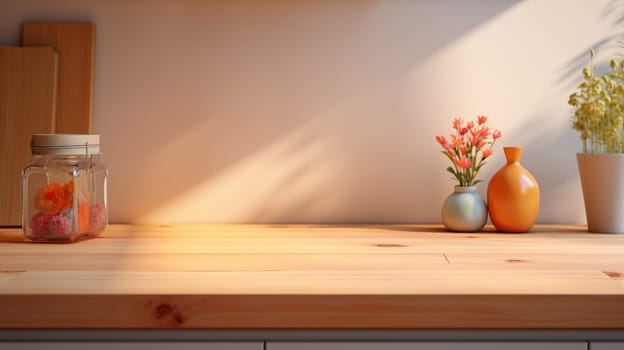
[{"x": 295, "y": 277}]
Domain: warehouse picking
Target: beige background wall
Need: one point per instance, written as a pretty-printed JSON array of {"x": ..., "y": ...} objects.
[{"x": 325, "y": 111}]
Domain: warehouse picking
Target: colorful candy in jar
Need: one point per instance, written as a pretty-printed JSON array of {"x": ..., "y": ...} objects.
[
  {"x": 97, "y": 217},
  {"x": 56, "y": 215}
]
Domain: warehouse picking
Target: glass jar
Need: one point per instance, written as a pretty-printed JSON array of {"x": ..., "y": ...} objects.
[{"x": 64, "y": 189}]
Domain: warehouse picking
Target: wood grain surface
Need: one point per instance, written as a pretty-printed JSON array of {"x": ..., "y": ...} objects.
[
  {"x": 75, "y": 45},
  {"x": 27, "y": 106},
  {"x": 295, "y": 277}
]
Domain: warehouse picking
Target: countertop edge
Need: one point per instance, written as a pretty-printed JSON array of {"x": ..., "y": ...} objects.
[{"x": 312, "y": 311}]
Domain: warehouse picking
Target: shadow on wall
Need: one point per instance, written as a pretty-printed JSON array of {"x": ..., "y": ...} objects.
[
  {"x": 297, "y": 111},
  {"x": 268, "y": 111},
  {"x": 272, "y": 111},
  {"x": 605, "y": 48}
]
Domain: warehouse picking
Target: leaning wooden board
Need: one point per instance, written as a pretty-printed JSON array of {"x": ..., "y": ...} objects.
[
  {"x": 314, "y": 277},
  {"x": 27, "y": 106},
  {"x": 75, "y": 44}
]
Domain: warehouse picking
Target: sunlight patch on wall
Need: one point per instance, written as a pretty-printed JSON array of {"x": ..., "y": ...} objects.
[{"x": 275, "y": 179}]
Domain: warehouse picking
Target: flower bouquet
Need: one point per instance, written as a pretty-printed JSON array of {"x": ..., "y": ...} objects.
[{"x": 467, "y": 149}]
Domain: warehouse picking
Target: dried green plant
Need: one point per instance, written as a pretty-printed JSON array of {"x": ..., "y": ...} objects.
[{"x": 598, "y": 109}]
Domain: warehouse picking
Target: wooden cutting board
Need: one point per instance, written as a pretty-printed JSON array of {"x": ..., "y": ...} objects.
[
  {"x": 27, "y": 106},
  {"x": 75, "y": 45}
]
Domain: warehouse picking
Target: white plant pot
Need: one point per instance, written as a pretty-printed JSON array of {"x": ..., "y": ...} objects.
[{"x": 602, "y": 179}]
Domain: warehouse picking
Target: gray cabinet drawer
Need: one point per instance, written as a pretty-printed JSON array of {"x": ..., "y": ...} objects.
[
  {"x": 607, "y": 346},
  {"x": 131, "y": 346},
  {"x": 427, "y": 346}
]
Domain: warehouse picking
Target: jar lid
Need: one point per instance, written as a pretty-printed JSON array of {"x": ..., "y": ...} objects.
[{"x": 65, "y": 144}]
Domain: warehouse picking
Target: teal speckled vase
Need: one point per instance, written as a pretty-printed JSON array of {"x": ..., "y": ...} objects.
[{"x": 464, "y": 210}]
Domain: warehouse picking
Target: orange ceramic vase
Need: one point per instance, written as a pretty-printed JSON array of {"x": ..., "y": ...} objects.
[{"x": 513, "y": 195}]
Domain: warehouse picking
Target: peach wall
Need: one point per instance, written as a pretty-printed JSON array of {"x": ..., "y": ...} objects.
[{"x": 325, "y": 111}]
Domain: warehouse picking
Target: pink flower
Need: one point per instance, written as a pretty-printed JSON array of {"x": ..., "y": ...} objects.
[
  {"x": 451, "y": 153},
  {"x": 484, "y": 131},
  {"x": 463, "y": 163},
  {"x": 441, "y": 140},
  {"x": 463, "y": 131},
  {"x": 462, "y": 150},
  {"x": 457, "y": 123},
  {"x": 456, "y": 141},
  {"x": 482, "y": 119},
  {"x": 481, "y": 144},
  {"x": 487, "y": 152},
  {"x": 475, "y": 140},
  {"x": 496, "y": 134}
]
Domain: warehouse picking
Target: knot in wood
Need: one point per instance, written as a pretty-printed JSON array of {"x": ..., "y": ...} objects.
[
  {"x": 166, "y": 312},
  {"x": 390, "y": 245},
  {"x": 612, "y": 274},
  {"x": 163, "y": 310}
]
